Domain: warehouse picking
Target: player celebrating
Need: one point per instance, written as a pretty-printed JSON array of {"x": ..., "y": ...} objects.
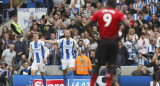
[
  {"x": 108, "y": 20},
  {"x": 39, "y": 52},
  {"x": 68, "y": 59}
]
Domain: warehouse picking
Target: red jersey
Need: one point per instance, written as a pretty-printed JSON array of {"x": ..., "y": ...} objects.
[{"x": 108, "y": 20}]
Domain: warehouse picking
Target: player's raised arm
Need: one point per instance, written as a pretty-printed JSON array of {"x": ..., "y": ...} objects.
[
  {"x": 88, "y": 28},
  {"x": 76, "y": 45},
  {"x": 125, "y": 22}
]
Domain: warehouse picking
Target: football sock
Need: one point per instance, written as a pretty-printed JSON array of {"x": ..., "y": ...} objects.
[
  {"x": 70, "y": 77},
  {"x": 44, "y": 80},
  {"x": 109, "y": 75},
  {"x": 109, "y": 79},
  {"x": 93, "y": 79},
  {"x": 31, "y": 80},
  {"x": 65, "y": 80},
  {"x": 94, "y": 75}
]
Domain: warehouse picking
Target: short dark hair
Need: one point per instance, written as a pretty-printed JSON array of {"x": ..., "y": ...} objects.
[
  {"x": 111, "y": 3},
  {"x": 140, "y": 13},
  {"x": 142, "y": 34}
]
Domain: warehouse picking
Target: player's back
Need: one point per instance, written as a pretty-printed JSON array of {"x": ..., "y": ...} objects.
[{"x": 108, "y": 20}]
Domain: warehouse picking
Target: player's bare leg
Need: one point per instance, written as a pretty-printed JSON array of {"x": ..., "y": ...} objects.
[
  {"x": 33, "y": 73},
  {"x": 116, "y": 84},
  {"x": 43, "y": 78},
  {"x": 94, "y": 75}
]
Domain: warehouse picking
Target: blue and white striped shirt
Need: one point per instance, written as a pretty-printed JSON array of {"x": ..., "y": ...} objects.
[
  {"x": 153, "y": 8},
  {"x": 67, "y": 48},
  {"x": 135, "y": 16},
  {"x": 39, "y": 51}
]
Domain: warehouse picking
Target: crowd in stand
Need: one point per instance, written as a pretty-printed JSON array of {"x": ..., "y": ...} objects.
[{"x": 137, "y": 47}]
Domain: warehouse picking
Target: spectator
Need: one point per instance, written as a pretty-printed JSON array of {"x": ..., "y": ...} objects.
[
  {"x": 58, "y": 9},
  {"x": 16, "y": 4},
  {"x": 16, "y": 28},
  {"x": 8, "y": 55},
  {"x": 6, "y": 41},
  {"x": 129, "y": 17},
  {"x": 136, "y": 4},
  {"x": 56, "y": 56},
  {"x": 4, "y": 5},
  {"x": 135, "y": 16},
  {"x": 130, "y": 45},
  {"x": 74, "y": 11},
  {"x": 11, "y": 69},
  {"x": 122, "y": 55},
  {"x": 4, "y": 30},
  {"x": 131, "y": 9},
  {"x": 19, "y": 49},
  {"x": 78, "y": 3},
  {"x": 155, "y": 21},
  {"x": 147, "y": 17},
  {"x": 133, "y": 35},
  {"x": 23, "y": 60},
  {"x": 81, "y": 25},
  {"x": 56, "y": 2},
  {"x": 138, "y": 72},
  {"x": 125, "y": 11},
  {"x": 83, "y": 64},
  {"x": 30, "y": 4},
  {"x": 26, "y": 69},
  {"x": 141, "y": 59},
  {"x": 66, "y": 20},
  {"x": 91, "y": 2},
  {"x": 155, "y": 33},
  {"x": 39, "y": 3},
  {"x": 146, "y": 72},
  {"x": 98, "y": 6},
  {"x": 151, "y": 48},
  {"x": 72, "y": 25},
  {"x": 76, "y": 35},
  {"x": 26, "y": 42},
  {"x": 137, "y": 29},
  {"x": 92, "y": 56},
  {"x": 142, "y": 44},
  {"x": 95, "y": 32},
  {"x": 53, "y": 38},
  {"x": 5, "y": 74}
]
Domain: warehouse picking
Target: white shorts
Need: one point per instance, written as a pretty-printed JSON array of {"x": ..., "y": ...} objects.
[
  {"x": 67, "y": 63},
  {"x": 38, "y": 66}
]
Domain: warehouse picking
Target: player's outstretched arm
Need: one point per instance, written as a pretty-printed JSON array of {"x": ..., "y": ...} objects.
[
  {"x": 51, "y": 42},
  {"x": 126, "y": 28},
  {"x": 88, "y": 28}
]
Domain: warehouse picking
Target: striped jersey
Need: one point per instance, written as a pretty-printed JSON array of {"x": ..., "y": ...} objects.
[
  {"x": 153, "y": 8},
  {"x": 135, "y": 16},
  {"x": 67, "y": 48},
  {"x": 151, "y": 48},
  {"x": 158, "y": 42},
  {"x": 39, "y": 51}
]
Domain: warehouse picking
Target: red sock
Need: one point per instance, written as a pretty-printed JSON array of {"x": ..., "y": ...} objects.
[
  {"x": 109, "y": 79},
  {"x": 93, "y": 79}
]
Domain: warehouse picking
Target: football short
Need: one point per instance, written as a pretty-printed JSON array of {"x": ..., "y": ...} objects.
[
  {"x": 38, "y": 66},
  {"x": 106, "y": 52},
  {"x": 67, "y": 63}
]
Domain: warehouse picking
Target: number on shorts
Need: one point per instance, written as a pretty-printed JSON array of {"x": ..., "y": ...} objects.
[{"x": 107, "y": 18}]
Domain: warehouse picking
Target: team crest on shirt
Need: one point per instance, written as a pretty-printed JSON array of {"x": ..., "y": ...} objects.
[{"x": 45, "y": 45}]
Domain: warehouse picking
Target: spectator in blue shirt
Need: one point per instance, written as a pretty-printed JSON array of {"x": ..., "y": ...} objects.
[
  {"x": 146, "y": 16},
  {"x": 74, "y": 11}
]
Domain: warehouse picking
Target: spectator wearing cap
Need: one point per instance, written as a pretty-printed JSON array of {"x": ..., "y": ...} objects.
[
  {"x": 19, "y": 49},
  {"x": 9, "y": 55},
  {"x": 26, "y": 69}
]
